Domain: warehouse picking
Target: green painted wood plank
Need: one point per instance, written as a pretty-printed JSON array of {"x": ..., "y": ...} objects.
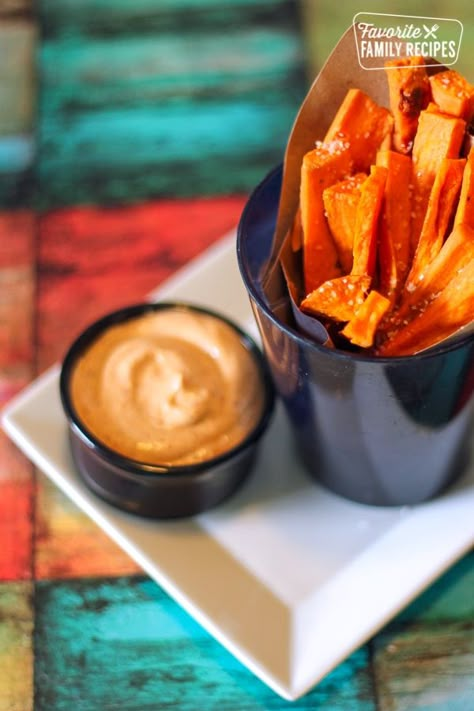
[
  {"x": 324, "y": 22},
  {"x": 450, "y": 599},
  {"x": 123, "y": 643}
]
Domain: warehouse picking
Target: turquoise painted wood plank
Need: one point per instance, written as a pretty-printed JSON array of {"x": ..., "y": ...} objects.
[
  {"x": 198, "y": 108},
  {"x": 123, "y": 643},
  {"x": 130, "y": 16},
  {"x": 16, "y": 170},
  {"x": 205, "y": 149},
  {"x": 16, "y": 153},
  {"x": 83, "y": 72}
]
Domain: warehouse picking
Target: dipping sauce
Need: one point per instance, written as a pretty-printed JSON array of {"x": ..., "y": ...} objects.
[{"x": 170, "y": 387}]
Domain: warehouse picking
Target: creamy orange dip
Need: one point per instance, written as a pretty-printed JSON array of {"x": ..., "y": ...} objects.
[{"x": 169, "y": 387}]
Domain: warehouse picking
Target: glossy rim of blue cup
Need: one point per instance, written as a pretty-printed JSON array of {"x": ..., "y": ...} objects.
[
  {"x": 249, "y": 282},
  {"x": 137, "y": 467}
]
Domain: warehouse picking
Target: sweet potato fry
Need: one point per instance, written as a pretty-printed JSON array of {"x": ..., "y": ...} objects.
[
  {"x": 322, "y": 167},
  {"x": 361, "y": 328},
  {"x": 340, "y": 204},
  {"x": 438, "y": 137},
  {"x": 465, "y": 209},
  {"x": 443, "y": 316},
  {"x": 394, "y": 244},
  {"x": 367, "y": 218},
  {"x": 409, "y": 92},
  {"x": 453, "y": 94},
  {"x": 363, "y": 125},
  {"x": 455, "y": 253},
  {"x": 433, "y": 108},
  {"x": 441, "y": 206},
  {"x": 337, "y": 299}
]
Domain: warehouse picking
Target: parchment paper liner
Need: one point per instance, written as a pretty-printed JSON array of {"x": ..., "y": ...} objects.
[
  {"x": 340, "y": 72},
  {"x": 283, "y": 275}
]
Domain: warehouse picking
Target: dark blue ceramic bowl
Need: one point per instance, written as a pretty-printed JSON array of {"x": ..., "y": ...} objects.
[
  {"x": 152, "y": 490},
  {"x": 384, "y": 431}
]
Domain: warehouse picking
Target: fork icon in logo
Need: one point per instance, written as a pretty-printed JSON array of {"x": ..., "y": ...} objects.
[{"x": 430, "y": 32}]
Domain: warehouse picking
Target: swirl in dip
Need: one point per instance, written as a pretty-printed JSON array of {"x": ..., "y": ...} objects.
[{"x": 169, "y": 387}]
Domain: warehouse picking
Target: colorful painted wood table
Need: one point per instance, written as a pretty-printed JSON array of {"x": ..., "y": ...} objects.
[{"x": 152, "y": 121}]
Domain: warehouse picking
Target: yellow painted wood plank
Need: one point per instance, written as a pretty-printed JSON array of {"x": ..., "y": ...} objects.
[
  {"x": 17, "y": 82},
  {"x": 69, "y": 544},
  {"x": 16, "y": 648}
]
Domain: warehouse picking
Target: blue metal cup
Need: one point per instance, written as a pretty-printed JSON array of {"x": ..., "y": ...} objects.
[{"x": 382, "y": 431}]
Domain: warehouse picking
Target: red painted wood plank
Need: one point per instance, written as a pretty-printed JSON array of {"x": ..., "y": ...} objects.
[
  {"x": 16, "y": 318},
  {"x": 16, "y": 497},
  {"x": 16, "y": 238},
  {"x": 92, "y": 260},
  {"x": 17, "y": 287}
]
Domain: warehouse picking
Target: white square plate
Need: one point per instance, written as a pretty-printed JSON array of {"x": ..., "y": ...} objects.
[{"x": 290, "y": 578}]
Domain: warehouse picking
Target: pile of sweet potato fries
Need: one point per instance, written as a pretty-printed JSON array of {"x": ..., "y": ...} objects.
[{"x": 386, "y": 215}]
